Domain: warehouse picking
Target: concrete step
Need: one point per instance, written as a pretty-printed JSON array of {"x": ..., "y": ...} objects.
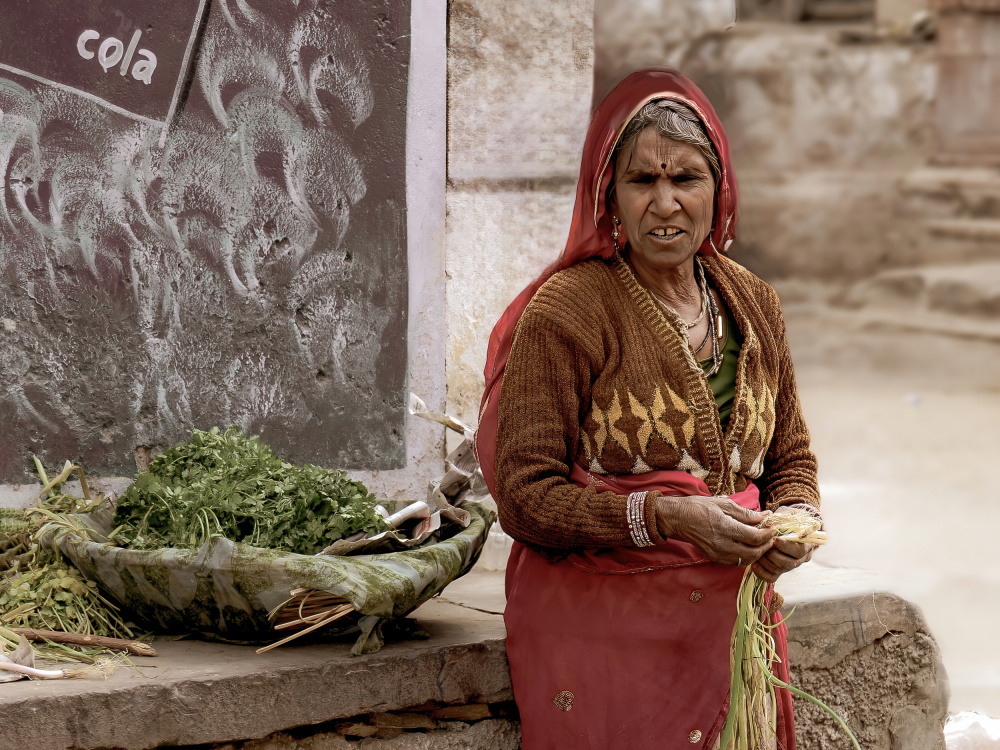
[
  {"x": 951, "y": 192},
  {"x": 839, "y": 10},
  {"x": 956, "y": 300},
  {"x": 786, "y": 12},
  {"x": 956, "y": 241},
  {"x": 941, "y": 324},
  {"x": 846, "y": 627},
  {"x": 965, "y": 228},
  {"x": 955, "y": 213},
  {"x": 202, "y": 694}
]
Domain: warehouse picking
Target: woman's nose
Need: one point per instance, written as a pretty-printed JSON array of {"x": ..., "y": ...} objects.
[{"x": 665, "y": 198}]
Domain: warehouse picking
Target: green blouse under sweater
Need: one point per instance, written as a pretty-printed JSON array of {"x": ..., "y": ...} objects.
[{"x": 723, "y": 383}]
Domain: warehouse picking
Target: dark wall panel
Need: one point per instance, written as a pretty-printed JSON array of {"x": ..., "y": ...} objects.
[{"x": 249, "y": 269}]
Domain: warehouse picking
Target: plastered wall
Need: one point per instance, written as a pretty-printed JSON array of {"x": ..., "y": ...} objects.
[
  {"x": 251, "y": 268},
  {"x": 822, "y": 132}
]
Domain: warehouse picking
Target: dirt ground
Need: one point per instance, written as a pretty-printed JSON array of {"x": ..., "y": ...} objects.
[{"x": 907, "y": 430}]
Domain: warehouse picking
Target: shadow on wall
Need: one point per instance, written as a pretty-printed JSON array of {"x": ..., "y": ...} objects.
[{"x": 252, "y": 271}]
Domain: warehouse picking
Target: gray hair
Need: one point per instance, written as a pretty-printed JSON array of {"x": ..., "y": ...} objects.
[{"x": 675, "y": 121}]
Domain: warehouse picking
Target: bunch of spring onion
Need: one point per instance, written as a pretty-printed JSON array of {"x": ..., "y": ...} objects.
[
  {"x": 18, "y": 661},
  {"x": 750, "y": 724}
]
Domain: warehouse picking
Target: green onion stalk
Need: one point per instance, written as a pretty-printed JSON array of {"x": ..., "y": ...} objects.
[{"x": 751, "y": 721}]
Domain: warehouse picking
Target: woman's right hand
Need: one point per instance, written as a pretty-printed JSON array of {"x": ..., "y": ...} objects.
[{"x": 724, "y": 531}]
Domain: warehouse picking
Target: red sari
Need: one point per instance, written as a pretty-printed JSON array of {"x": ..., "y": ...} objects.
[
  {"x": 621, "y": 648},
  {"x": 627, "y": 649}
]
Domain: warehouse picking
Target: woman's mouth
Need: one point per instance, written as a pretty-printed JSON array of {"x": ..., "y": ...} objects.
[{"x": 667, "y": 234}]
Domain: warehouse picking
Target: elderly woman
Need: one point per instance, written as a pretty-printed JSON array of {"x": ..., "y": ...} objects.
[{"x": 640, "y": 414}]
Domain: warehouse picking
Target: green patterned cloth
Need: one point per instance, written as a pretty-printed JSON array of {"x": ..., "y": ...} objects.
[{"x": 226, "y": 590}]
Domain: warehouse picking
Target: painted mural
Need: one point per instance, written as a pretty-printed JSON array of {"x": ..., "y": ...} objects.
[{"x": 249, "y": 268}]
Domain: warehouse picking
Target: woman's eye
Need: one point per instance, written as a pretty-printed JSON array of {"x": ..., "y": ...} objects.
[{"x": 644, "y": 179}]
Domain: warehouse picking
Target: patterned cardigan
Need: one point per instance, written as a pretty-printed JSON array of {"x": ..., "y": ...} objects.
[{"x": 601, "y": 375}]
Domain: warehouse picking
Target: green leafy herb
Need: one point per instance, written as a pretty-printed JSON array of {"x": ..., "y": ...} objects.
[
  {"x": 40, "y": 590},
  {"x": 51, "y": 595},
  {"x": 225, "y": 484}
]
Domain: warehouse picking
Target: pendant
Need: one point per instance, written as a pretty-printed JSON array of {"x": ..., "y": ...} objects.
[{"x": 718, "y": 326}]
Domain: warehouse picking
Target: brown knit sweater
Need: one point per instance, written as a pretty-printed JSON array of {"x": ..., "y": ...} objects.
[{"x": 600, "y": 375}]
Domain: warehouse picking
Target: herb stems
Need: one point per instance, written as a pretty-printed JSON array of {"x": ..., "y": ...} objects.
[{"x": 750, "y": 722}]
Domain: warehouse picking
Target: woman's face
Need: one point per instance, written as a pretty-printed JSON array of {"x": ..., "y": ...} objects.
[{"x": 664, "y": 197}]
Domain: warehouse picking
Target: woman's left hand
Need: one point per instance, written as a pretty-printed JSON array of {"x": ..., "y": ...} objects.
[{"x": 781, "y": 558}]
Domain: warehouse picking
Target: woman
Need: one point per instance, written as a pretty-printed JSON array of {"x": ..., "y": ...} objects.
[{"x": 640, "y": 413}]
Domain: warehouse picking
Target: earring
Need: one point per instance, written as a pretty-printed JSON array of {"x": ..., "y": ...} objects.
[{"x": 617, "y": 233}]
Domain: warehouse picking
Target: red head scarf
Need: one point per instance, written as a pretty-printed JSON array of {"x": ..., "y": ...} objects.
[{"x": 590, "y": 233}]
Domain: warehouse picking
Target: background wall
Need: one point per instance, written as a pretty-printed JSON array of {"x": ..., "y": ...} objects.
[
  {"x": 823, "y": 131},
  {"x": 253, "y": 270},
  {"x": 519, "y": 89}
]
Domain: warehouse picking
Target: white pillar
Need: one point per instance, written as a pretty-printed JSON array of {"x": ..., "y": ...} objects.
[{"x": 427, "y": 333}]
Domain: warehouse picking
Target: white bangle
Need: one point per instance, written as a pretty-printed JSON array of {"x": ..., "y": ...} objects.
[{"x": 635, "y": 513}]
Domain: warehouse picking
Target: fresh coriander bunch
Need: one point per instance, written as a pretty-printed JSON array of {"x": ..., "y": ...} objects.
[
  {"x": 52, "y": 595},
  {"x": 38, "y": 588},
  {"x": 225, "y": 484}
]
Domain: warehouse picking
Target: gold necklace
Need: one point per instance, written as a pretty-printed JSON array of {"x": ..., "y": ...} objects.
[{"x": 704, "y": 302}]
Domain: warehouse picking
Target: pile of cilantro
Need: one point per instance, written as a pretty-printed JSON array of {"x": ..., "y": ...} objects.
[{"x": 225, "y": 484}]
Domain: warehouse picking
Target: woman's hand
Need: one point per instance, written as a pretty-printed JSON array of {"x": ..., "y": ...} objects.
[
  {"x": 781, "y": 558},
  {"x": 785, "y": 555},
  {"x": 724, "y": 531}
]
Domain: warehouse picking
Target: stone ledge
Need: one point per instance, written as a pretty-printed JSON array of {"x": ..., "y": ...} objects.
[
  {"x": 203, "y": 693},
  {"x": 870, "y": 656},
  {"x": 491, "y": 734},
  {"x": 866, "y": 653}
]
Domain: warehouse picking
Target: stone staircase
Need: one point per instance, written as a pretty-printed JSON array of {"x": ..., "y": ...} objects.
[
  {"x": 951, "y": 300},
  {"x": 955, "y": 217},
  {"x": 842, "y": 11},
  {"x": 797, "y": 11},
  {"x": 959, "y": 207}
]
